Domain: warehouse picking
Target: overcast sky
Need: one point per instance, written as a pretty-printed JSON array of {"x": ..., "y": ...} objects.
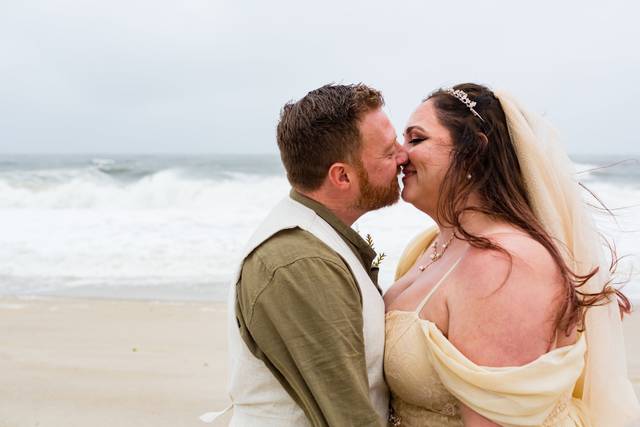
[{"x": 210, "y": 76}]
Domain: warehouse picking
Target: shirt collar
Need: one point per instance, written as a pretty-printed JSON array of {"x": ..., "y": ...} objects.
[{"x": 367, "y": 254}]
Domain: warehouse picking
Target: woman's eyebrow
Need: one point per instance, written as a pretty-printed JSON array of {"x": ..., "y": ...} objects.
[{"x": 410, "y": 128}]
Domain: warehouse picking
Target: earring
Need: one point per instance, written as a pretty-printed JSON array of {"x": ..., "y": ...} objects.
[{"x": 469, "y": 176}]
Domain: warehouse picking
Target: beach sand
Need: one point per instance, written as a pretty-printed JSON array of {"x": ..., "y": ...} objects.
[
  {"x": 67, "y": 362},
  {"x": 79, "y": 362}
]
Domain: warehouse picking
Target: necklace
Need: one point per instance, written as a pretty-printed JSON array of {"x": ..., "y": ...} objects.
[{"x": 435, "y": 256}]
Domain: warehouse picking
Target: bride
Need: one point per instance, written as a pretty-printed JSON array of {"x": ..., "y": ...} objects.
[{"x": 503, "y": 315}]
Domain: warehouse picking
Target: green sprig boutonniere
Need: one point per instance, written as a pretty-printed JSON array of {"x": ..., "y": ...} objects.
[{"x": 381, "y": 256}]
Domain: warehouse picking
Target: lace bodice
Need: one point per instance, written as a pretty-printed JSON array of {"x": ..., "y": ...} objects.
[{"x": 418, "y": 396}]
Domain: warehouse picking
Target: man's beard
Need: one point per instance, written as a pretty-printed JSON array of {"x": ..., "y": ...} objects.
[{"x": 374, "y": 197}]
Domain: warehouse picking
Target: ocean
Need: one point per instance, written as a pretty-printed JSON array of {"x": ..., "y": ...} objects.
[{"x": 172, "y": 227}]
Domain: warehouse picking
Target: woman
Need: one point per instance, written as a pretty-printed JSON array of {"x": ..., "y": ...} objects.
[{"x": 504, "y": 316}]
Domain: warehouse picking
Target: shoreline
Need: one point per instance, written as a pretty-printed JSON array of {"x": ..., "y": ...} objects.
[
  {"x": 92, "y": 361},
  {"x": 151, "y": 294}
]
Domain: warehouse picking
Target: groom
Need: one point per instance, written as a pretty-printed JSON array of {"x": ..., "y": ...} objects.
[{"x": 306, "y": 334}]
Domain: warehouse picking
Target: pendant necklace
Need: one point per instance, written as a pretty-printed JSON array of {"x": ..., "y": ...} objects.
[{"x": 435, "y": 256}]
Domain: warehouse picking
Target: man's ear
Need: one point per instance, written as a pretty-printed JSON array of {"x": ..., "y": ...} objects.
[{"x": 339, "y": 175}]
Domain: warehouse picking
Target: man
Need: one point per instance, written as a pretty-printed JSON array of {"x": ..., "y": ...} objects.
[{"x": 306, "y": 313}]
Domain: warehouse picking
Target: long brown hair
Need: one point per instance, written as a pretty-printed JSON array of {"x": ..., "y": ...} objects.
[{"x": 496, "y": 177}]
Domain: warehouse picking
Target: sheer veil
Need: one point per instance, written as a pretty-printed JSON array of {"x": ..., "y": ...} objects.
[{"x": 557, "y": 202}]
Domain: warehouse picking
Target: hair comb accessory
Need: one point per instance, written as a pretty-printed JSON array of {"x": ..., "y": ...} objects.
[{"x": 464, "y": 98}]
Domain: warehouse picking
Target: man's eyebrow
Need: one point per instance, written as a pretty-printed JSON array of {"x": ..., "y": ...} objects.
[{"x": 410, "y": 128}]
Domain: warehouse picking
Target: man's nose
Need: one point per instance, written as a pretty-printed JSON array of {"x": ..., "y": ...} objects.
[{"x": 402, "y": 156}]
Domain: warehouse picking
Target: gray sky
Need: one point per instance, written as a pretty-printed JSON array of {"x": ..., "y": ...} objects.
[{"x": 196, "y": 76}]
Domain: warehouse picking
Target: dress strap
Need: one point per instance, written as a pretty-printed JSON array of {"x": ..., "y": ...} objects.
[{"x": 437, "y": 285}]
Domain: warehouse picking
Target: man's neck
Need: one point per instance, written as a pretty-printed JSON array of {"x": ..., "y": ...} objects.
[{"x": 340, "y": 207}]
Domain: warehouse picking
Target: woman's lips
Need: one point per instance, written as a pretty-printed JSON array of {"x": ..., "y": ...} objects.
[{"x": 407, "y": 173}]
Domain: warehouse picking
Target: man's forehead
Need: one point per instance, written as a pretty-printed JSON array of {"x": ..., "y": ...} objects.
[
  {"x": 374, "y": 121},
  {"x": 374, "y": 118}
]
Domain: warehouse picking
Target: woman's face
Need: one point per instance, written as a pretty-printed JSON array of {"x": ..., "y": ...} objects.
[{"x": 429, "y": 147}]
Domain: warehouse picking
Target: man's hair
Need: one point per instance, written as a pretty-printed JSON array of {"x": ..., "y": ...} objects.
[{"x": 322, "y": 129}]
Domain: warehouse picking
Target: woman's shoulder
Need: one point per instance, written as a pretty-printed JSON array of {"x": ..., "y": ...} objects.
[
  {"x": 524, "y": 271},
  {"x": 504, "y": 312},
  {"x": 524, "y": 267},
  {"x": 521, "y": 253}
]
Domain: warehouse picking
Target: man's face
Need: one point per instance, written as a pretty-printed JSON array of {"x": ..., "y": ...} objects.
[{"x": 380, "y": 159}]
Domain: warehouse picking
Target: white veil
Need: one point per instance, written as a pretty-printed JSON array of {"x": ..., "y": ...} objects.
[{"x": 557, "y": 202}]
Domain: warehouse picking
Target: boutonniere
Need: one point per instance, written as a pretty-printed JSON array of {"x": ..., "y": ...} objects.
[{"x": 381, "y": 256}]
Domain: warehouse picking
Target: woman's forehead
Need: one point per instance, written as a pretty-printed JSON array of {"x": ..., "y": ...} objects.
[{"x": 423, "y": 118}]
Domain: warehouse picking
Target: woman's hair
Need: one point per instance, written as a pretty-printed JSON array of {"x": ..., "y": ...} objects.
[{"x": 497, "y": 179}]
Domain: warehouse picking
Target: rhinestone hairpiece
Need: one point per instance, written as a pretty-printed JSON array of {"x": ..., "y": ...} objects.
[{"x": 464, "y": 98}]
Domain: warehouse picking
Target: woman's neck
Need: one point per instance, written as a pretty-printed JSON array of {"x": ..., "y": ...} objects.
[{"x": 473, "y": 222}]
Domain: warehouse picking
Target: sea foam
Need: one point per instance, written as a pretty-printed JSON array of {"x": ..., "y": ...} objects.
[{"x": 176, "y": 227}]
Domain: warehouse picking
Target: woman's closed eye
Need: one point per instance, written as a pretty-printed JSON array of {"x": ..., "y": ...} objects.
[{"x": 415, "y": 141}]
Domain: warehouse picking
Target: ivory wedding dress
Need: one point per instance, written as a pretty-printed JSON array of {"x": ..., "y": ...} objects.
[{"x": 428, "y": 376}]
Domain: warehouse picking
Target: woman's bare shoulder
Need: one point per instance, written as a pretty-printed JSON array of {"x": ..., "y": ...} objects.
[
  {"x": 504, "y": 312},
  {"x": 522, "y": 254}
]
